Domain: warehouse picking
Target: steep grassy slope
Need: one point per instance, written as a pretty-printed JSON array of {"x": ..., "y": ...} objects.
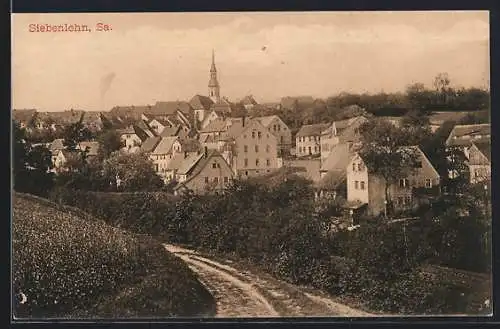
[{"x": 67, "y": 264}]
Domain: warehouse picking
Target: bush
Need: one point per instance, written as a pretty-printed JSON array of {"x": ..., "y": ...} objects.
[{"x": 68, "y": 266}]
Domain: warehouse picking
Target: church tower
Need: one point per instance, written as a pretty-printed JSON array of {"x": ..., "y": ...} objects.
[{"x": 213, "y": 84}]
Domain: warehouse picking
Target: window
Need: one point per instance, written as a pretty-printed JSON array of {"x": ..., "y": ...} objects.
[
  {"x": 356, "y": 184},
  {"x": 279, "y": 127},
  {"x": 216, "y": 180},
  {"x": 404, "y": 182},
  {"x": 226, "y": 179},
  {"x": 353, "y": 167},
  {"x": 256, "y": 162},
  {"x": 476, "y": 173},
  {"x": 253, "y": 134},
  {"x": 400, "y": 200},
  {"x": 246, "y": 162},
  {"x": 259, "y": 134},
  {"x": 246, "y": 173},
  {"x": 282, "y": 139},
  {"x": 245, "y": 148},
  {"x": 428, "y": 183},
  {"x": 362, "y": 185},
  {"x": 214, "y": 165},
  {"x": 315, "y": 149},
  {"x": 274, "y": 127},
  {"x": 310, "y": 139},
  {"x": 206, "y": 180},
  {"x": 268, "y": 148},
  {"x": 310, "y": 152},
  {"x": 268, "y": 162},
  {"x": 360, "y": 167},
  {"x": 408, "y": 199},
  {"x": 256, "y": 148},
  {"x": 418, "y": 164}
]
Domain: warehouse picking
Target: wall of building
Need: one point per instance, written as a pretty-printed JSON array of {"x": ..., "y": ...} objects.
[
  {"x": 357, "y": 181},
  {"x": 218, "y": 176},
  {"x": 131, "y": 140},
  {"x": 283, "y": 135},
  {"x": 249, "y": 148},
  {"x": 307, "y": 145}
]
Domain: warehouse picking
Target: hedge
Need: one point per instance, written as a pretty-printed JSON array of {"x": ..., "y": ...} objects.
[
  {"x": 67, "y": 266},
  {"x": 276, "y": 227}
]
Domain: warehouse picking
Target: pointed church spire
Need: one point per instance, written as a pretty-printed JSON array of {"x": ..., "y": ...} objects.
[
  {"x": 213, "y": 69},
  {"x": 213, "y": 84}
]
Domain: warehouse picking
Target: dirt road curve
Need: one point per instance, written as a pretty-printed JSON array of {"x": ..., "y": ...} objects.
[{"x": 246, "y": 294}]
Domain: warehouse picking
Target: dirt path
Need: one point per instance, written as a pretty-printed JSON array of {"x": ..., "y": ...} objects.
[{"x": 246, "y": 294}]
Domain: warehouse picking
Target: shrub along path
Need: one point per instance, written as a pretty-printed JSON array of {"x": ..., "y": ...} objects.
[{"x": 241, "y": 293}]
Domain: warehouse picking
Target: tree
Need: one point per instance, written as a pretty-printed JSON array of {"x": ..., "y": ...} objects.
[
  {"x": 74, "y": 134},
  {"x": 441, "y": 84},
  {"x": 31, "y": 165},
  {"x": 387, "y": 152},
  {"x": 109, "y": 142},
  {"x": 134, "y": 171}
]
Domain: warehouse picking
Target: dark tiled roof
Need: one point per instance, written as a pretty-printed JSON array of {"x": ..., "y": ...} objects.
[
  {"x": 150, "y": 144},
  {"x": 312, "y": 130},
  {"x": 170, "y": 131},
  {"x": 169, "y": 108},
  {"x": 199, "y": 102},
  {"x": 464, "y": 135},
  {"x": 248, "y": 100},
  {"x": 339, "y": 158},
  {"x": 190, "y": 145},
  {"x": 165, "y": 145},
  {"x": 218, "y": 125},
  {"x": 485, "y": 149}
]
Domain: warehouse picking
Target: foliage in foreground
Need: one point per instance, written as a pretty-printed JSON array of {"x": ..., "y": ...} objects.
[
  {"x": 67, "y": 266},
  {"x": 276, "y": 227}
]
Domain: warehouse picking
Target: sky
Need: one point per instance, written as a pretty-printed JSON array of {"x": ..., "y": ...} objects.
[{"x": 149, "y": 57}]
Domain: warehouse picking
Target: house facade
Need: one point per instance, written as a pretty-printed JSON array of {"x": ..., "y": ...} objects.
[
  {"x": 208, "y": 173},
  {"x": 278, "y": 128},
  {"x": 344, "y": 131},
  {"x": 162, "y": 154},
  {"x": 367, "y": 189},
  {"x": 479, "y": 162},
  {"x": 254, "y": 150},
  {"x": 308, "y": 140}
]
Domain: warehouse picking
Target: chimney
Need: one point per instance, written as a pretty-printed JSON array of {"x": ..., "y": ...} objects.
[{"x": 206, "y": 152}]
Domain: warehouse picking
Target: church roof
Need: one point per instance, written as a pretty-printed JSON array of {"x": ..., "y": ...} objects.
[{"x": 199, "y": 102}]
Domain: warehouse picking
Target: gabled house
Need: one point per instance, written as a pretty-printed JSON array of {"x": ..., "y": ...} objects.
[
  {"x": 479, "y": 162},
  {"x": 158, "y": 124},
  {"x": 179, "y": 161},
  {"x": 91, "y": 147},
  {"x": 278, "y": 128},
  {"x": 308, "y": 141},
  {"x": 201, "y": 106},
  {"x": 333, "y": 171},
  {"x": 206, "y": 173},
  {"x": 162, "y": 154},
  {"x": 343, "y": 131},
  {"x": 251, "y": 148},
  {"x": 461, "y": 139},
  {"x": 54, "y": 147},
  {"x": 364, "y": 188},
  {"x": 462, "y": 136},
  {"x": 132, "y": 137},
  {"x": 149, "y": 145},
  {"x": 63, "y": 160},
  {"x": 249, "y": 102}
]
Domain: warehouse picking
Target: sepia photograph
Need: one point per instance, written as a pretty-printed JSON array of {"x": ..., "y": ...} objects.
[{"x": 225, "y": 165}]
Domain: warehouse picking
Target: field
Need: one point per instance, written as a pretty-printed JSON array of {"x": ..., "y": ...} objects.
[{"x": 68, "y": 265}]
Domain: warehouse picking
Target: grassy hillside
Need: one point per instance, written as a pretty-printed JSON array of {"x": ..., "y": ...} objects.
[{"x": 67, "y": 265}]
